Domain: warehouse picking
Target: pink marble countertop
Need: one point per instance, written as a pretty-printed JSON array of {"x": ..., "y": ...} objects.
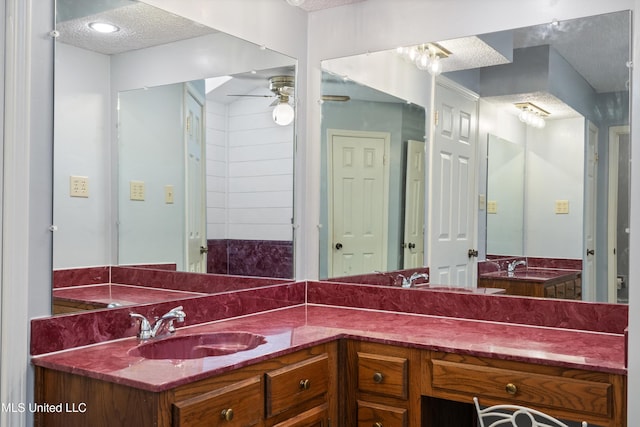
[
  {"x": 106, "y": 293},
  {"x": 291, "y": 329}
]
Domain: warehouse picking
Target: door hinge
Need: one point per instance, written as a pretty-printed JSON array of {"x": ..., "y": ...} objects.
[{"x": 436, "y": 118}]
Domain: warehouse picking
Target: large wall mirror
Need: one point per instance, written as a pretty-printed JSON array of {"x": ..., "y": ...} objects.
[
  {"x": 555, "y": 190},
  {"x": 168, "y": 150}
]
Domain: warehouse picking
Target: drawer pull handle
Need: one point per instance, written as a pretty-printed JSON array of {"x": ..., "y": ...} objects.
[
  {"x": 378, "y": 377},
  {"x": 377, "y": 424},
  {"x": 511, "y": 388},
  {"x": 305, "y": 384},
  {"x": 227, "y": 414}
]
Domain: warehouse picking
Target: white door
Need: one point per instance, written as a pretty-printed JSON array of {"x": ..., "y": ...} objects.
[
  {"x": 358, "y": 197},
  {"x": 618, "y": 159},
  {"x": 590, "y": 209},
  {"x": 195, "y": 189},
  {"x": 413, "y": 243},
  {"x": 452, "y": 191}
]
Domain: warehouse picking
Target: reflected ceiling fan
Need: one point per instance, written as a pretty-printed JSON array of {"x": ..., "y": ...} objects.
[{"x": 283, "y": 89}]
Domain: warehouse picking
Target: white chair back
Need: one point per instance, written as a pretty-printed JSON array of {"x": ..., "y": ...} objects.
[{"x": 514, "y": 415}]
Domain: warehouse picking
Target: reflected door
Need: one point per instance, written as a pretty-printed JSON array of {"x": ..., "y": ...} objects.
[
  {"x": 414, "y": 206},
  {"x": 196, "y": 227},
  {"x": 590, "y": 209},
  {"x": 358, "y": 196},
  {"x": 452, "y": 189}
]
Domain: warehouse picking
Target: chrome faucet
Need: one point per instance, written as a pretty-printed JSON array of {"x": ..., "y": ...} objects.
[
  {"x": 161, "y": 326},
  {"x": 408, "y": 282},
  {"x": 511, "y": 268}
]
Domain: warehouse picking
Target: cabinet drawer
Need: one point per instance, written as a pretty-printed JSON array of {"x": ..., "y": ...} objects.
[
  {"x": 385, "y": 375},
  {"x": 289, "y": 386},
  {"x": 235, "y": 405},
  {"x": 520, "y": 387},
  {"x": 373, "y": 414},
  {"x": 316, "y": 417}
]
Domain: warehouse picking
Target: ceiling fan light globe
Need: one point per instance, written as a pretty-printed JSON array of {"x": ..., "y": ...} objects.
[{"x": 283, "y": 114}]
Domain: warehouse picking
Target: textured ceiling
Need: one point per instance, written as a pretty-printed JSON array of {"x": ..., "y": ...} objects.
[
  {"x": 312, "y": 5},
  {"x": 140, "y": 26}
]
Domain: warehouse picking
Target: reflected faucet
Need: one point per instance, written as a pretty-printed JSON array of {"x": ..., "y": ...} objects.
[
  {"x": 408, "y": 282},
  {"x": 511, "y": 268},
  {"x": 162, "y": 326}
]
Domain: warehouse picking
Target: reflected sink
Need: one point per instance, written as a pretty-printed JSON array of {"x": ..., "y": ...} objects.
[{"x": 195, "y": 346}]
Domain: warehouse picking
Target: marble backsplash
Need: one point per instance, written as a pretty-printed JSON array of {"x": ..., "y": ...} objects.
[{"x": 264, "y": 258}]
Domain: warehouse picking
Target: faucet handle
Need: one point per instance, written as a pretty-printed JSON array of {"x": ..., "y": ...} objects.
[{"x": 145, "y": 326}]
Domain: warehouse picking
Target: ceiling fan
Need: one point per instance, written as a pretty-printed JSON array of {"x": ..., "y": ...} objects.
[{"x": 283, "y": 89}]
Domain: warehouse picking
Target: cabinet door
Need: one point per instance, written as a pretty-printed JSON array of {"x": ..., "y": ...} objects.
[
  {"x": 316, "y": 417},
  {"x": 236, "y": 405}
]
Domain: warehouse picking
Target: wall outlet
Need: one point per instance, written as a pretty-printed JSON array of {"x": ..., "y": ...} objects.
[
  {"x": 168, "y": 194},
  {"x": 562, "y": 207},
  {"x": 492, "y": 207},
  {"x": 79, "y": 186},
  {"x": 136, "y": 190}
]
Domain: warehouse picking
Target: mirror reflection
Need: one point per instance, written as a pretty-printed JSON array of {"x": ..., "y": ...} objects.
[
  {"x": 168, "y": 153},
  {"x": 568, "y": 193},
  {"x": 505, "y": 189}
]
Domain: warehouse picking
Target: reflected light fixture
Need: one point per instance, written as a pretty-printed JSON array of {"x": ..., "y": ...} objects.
[
  {"x": 531, "y": 114},
  {"x": 283, "y": 87},
  {"x": 103, "y": 27},
  {"x": 426, "y": 57},
  {"x": 283, "y": 113}
]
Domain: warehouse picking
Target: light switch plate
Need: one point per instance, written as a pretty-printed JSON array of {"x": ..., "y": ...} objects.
[
  {"x": 562, "y": 207},
  {"x": 482, "y": 202},
  {"x": 492, "y": 207},
  {"x": 136, "y": 190},
  {"x": 79, "y": 186},
  {"x": 168, "y": 194}
]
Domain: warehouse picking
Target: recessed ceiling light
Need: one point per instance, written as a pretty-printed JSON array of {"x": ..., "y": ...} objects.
[{"x": 103, "y": 27}]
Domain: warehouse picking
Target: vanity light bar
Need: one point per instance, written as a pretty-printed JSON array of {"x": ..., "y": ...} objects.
[{"x": 533, "y": 108}]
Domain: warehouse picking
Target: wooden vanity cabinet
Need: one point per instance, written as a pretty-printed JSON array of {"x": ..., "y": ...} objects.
[
  {"x": 293, "y": 390},
  {"x": 382, "y": 385},
  {"x": 572, "y": 394}
]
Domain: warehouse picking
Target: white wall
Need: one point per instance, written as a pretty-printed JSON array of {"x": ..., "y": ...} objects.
[
  {"x": 260, "y": 191},
  {"x": 216, "y": 170},
  {"x": 555, "y": 163},
  {"x": 82, "y": 137},
  {"x": 152, "y": 151},
  {"x": 249, "y": 171}
]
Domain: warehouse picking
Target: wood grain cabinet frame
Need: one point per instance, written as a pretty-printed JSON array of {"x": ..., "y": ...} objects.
[{"x": 572, "y": 394}]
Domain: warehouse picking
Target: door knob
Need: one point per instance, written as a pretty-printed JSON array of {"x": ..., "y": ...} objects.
[
  {"x": 338, "y": 246},
  {"x": 412, "y": 245},
  {"x": 591, "y": 251},
  {"x": 472, "y": 253},
  {"x": 203, "y": 250}
]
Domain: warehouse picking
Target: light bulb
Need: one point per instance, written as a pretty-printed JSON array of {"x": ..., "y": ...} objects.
[
  {"x": 435, "y": 66},
  {"x": 283, "y": 114},
  {"x": 422, "y": 61},
  {"x": 103, "y": 27}
]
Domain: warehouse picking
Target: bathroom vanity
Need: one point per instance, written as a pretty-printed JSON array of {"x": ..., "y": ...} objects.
[
  {"x": 327, "y": 365},
  {"x": 536, "y": 282}
]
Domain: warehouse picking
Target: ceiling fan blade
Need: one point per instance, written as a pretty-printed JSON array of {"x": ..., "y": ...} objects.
[
  {"x": 275, "y": 102},
  {"x": 254, "y": 96},
  {"x": 337, "y": 98}
]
